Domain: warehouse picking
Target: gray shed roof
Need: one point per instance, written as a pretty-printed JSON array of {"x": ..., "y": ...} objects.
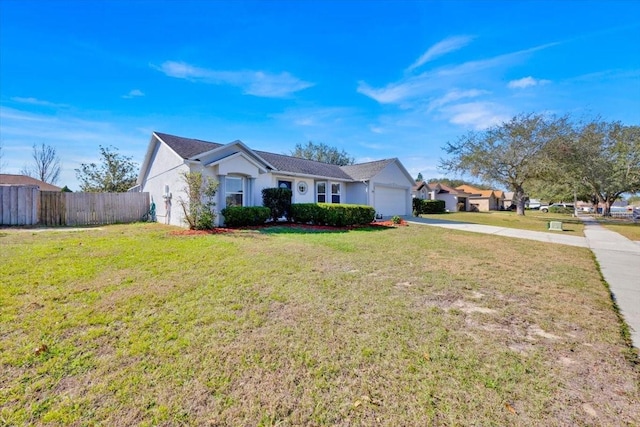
[{"x": 190, "y": 148}]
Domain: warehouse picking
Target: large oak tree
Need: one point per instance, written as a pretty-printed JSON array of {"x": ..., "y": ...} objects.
[
  {"x": 511, "y": 154},
  {"x": 604, "y": 158}
]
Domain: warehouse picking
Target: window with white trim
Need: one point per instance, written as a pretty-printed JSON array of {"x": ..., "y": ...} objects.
[
  {"x": 335, "y": 192},
  {"x": 321, "y": 192},
  {"x": 233, "y": 186}
]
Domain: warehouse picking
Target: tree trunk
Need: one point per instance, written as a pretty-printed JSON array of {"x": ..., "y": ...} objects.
[
  {"x": 518, "y": 195},
  {"x": 606, "y": 205}
]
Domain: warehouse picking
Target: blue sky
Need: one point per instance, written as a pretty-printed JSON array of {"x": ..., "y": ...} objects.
[{"x": 377, "y": 79}]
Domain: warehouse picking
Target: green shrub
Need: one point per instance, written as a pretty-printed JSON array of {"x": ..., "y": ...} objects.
[
  {"x": 335, "y": 215},
  {"x": 396, "y": 219},
  {"x": 199, "y": 206},
  {"x": 278, "y": 200},
  {"x": 560, "y": 209},
  {"x": 421, "y": 206},
  {"x": 240, "y": 216}
]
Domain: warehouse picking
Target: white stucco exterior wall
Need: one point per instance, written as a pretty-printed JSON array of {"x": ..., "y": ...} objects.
[
  {"x": 357, "y": 193},
  {"x": 164, "y": 173}
]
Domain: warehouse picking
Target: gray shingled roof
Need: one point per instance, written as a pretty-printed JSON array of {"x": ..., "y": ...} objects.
[
  {"x": 303, "y": 166},
  {"x": 190, "y": 148},
  {"x": 10, "y": 179},
  {"x": 187, "y": 147},
  {"x": 364, "y": 171}
]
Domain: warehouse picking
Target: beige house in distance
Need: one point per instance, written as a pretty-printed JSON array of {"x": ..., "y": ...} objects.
[{"x": 483, "y": 200}]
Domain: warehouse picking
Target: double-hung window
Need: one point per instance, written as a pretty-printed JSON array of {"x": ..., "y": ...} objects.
[
  {"x": 321, "y": 192},
  {"x": 233, "y": 186},
  {"x": 335, "y": 192}
]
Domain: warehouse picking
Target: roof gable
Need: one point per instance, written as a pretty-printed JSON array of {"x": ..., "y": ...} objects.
[{"x": 187, "y": 147}]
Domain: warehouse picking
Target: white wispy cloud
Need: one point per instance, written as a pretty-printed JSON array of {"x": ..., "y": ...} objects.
[
  {"x": 445, "y": 46},
  {"x": 314, "y": 117},
  {"x": 36, "y": 101},
  {"x": 456, "y": 95},
  {"x": 400, "y": 91},
  {"x": 133, "y": 94},
  {"x": 526, "y": 82},
  {"x": 476, "y": 115},
  {"x": 256, "y": 83},
  {"x": 425, "y": 84}
]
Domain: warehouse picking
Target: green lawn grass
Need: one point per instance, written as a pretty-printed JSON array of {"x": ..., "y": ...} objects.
[
  {"x": 532, "y": 220},
  {"x": 131, "y": 325}
]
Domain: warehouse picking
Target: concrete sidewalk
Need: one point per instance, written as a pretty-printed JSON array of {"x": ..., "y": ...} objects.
[
  {"x": 618, "y": 257},
  {"x": 553, "y": 237},
  {"x": 619, "y": 260}
]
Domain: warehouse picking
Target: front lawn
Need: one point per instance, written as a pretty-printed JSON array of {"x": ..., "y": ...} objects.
[
  {"x": 532, "y": 220},
  {"x": 132, "y": 325}
]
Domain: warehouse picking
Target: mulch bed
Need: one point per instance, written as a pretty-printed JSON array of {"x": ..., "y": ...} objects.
[{"x": 302, "y": 227}]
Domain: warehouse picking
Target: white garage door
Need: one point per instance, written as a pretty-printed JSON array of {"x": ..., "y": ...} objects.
[{"x": 390, "y": 201}]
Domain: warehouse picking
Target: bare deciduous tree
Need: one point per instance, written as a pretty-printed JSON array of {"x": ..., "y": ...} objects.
[{"x": 46, "y": 164}]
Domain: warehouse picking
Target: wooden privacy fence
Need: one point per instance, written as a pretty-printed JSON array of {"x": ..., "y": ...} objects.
[
  {"x": 19, "y": 204},
  {"x": 26, "y": 205},
  {"x": 57, "y": 208}
]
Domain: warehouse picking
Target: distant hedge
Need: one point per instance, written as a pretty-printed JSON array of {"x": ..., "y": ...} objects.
[
  {"x": 561, "y": 209},
  {"x": 240, "y": 216},
  {"x": 421, "y": 206},
  {"x": 335, "y": 215}
]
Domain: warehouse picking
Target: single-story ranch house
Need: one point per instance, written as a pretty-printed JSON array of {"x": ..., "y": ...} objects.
[
  {"x": 455, "y": 200},
  {"x": 461, "y": 198},
  {"x": 242, "y": 173}
]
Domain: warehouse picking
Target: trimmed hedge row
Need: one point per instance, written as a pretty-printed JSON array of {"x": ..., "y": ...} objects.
[
  {"x": 239, "y": 216},
  {"x": 335, "y": 215},
  {"x": 421, "y": 206}
]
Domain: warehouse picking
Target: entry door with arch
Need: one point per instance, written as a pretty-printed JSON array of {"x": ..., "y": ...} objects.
[{"x": 282, "y": 183}]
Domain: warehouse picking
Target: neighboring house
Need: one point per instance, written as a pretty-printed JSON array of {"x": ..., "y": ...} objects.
[
  {"x": 455, "y": 200},
  {"x": 8, "y": 179},
  {"x": 508, "y": 199},
  {"x": 500, "y": 199},
  {"x": 483, "y": 200},
  {"x": 242, "y": 173},
  {"x": 420, "y": 190}
]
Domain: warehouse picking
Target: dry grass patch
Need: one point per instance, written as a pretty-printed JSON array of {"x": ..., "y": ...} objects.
[{"x": 405, "y": 326}]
